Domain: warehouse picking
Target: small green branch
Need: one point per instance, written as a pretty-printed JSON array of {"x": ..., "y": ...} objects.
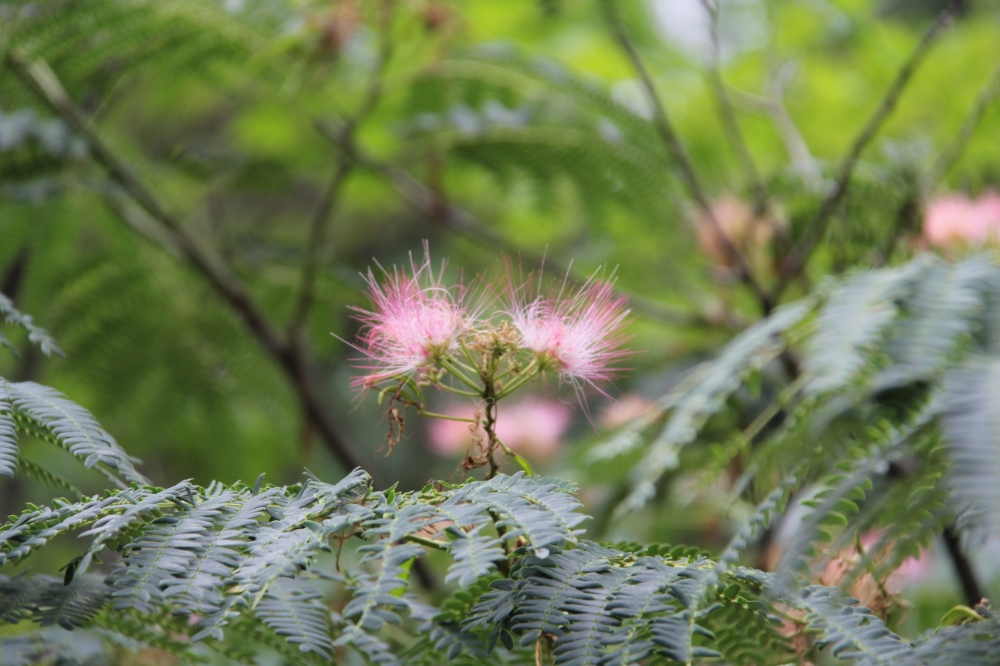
[
  {"x": 446, "y": 417},
  {"x": 459, "y": 375},
  {"x": 529, "y": 374},
  {"x": 797, "y": 259},
  {"x": 468, "y": 355},
  {"x": 436, "y": 545},
  {"x": 452, "y": 389}
]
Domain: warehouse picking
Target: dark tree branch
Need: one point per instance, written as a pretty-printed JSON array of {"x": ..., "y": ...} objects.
[
  {"x": 728, "y": 115},
  {"x": 800, "y": 254},
  {"x": 971, "y": 588},
  {"x": 46, "y": 84},
  {"x": 319, "y": 223},
  {"x": 664, "y": 127},
  {"x": 315, "y": 241}
]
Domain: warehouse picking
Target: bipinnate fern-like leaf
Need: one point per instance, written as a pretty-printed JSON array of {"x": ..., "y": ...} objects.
[
  {"x": 510, "y": 113},
  {"x": 868, "y": 302},
  {"x": 164, "y": 554},
  {"x": 539, "y": 509},
  {"x": 441, "y": 638},
  {"x": 42, "y": 411},
  {"x": 133, "y": 508},
  {"x": 744, "y": 628},
  {"x": 972, "y": 427},
  {"x": 71, "y": 605},
  {"x": 73, "y": 427},
  {"x": 851, "y": 631},
  {"x": 293, "y": 610},
  {"x": 54, "y": 645},
  {"x": 378, "y": 599},
  {"x": 518, "y": 501},
  {"x": 943, "y": 310},
  {"x": 773, "y": 504},
  {"x": 8, "y": 435},
  {"x": 250, "y": 555},
  {"x": 236, "y": 555},
  {"x": 51, "y": 601},
  {"x": 974, "y": 643},
  {"x": 831, "y": 507},
  {"x": 300, "y": 528},
  {"x": 198, "y": 589},
  {"x": 186, "y": 38},
  {"x": 705, "y": 393},
  {"x": 36, "y": 334},
  {"x": 910, "y": 346},
  {"x": 36, "y": 526},
  {"x": 602, "y": 605}
]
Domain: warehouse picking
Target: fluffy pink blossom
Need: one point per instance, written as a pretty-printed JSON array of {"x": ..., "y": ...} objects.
[
  {"x": 958, "y": 219},
  {"x": 414, "y": 319},
  {"x": 577, "y": 332},
  {"x": 531, "y": 426}
]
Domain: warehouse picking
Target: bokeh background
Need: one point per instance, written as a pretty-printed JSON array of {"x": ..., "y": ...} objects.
[{"x": 190, "y": 192}]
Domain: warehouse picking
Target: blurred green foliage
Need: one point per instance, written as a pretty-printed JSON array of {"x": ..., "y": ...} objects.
[{"x": 527, "y": 115}]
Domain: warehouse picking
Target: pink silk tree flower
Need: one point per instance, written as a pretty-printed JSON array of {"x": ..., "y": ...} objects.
[
  {"x": 530, "y": 426},
  {"x": 414, "y": 320},
  {"x": 624, "y": 410},
  {"x": 576, "y": 332},
  {"x": 957, "y": 219}
]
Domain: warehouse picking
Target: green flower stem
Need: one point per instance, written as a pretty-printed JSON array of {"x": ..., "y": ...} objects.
[
  {"x": 434, "y": 415},
  {"x": 459, "y": 375},
  {"x": 529, "y": 373},
  {"x": 468, "y": 354},
  {"x": 452, "y": 389},
  {"x": 509, "y": 371}
]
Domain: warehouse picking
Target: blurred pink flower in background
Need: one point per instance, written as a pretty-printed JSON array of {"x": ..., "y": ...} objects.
[
  {"x": 532, "y": 427},
  {"x": 623, "y": 410},
  {"x": 957, "y": 219},
  {"x": 747, "y": 233},
  {"x": 911, "y": 571}
]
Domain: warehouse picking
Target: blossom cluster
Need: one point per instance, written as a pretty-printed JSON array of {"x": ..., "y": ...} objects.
[{"x": 492, "y": 335}]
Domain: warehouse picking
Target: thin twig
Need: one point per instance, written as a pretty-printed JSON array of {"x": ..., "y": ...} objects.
[
  {"x": 797, "y": 259},
  {"x": 430, "y": 543},
  {"x": 316, "y": 239},
  {"x": 664, "y": 127},
  {"x": 40, "y": 77},
  {"x": 909, "y": 211},
  {"x": 773, "y": 106},
  {"x": 320, "y": 222},
  {"x": 728, "y": 115},
  {"x": 461, "y": 221},
  {"x": 953, "y": 151}
]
